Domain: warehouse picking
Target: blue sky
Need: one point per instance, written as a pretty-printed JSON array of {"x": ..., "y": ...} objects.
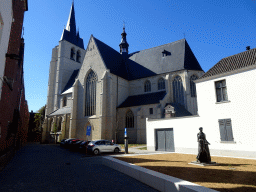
[{"x": 213, "y": 29}]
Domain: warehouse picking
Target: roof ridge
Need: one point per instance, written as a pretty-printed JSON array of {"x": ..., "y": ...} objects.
[{"x": 159, "y": 46}]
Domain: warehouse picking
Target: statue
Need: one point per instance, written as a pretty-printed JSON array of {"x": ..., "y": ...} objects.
[{"x": 203, "y": 149}]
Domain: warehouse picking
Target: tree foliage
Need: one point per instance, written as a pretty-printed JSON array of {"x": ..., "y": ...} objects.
[{"x": 39, "y": 118}]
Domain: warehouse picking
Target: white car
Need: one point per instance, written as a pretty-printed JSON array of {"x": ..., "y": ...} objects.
[{"x": 99, "y": 146}]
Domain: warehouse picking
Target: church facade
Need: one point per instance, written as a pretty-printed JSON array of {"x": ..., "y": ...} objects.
[{"x": 108, "y": 90}]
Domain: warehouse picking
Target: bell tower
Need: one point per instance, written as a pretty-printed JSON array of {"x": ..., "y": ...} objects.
[{"x": 124, "y": 45}]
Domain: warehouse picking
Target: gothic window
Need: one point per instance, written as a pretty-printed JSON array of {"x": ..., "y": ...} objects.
[
  {"x": 90, "y": 94},
  {"x": 78, "y": 56},
  {"x": 161, "y": 84},
  {"x": 64, "y": 101},
  {"x": 129, "y": 123},
  {"x": 193, "y": 85},
  {"x": 59, "y": 124},
  {"x": 147, "y": 86},
  {"x": 221, "y": 91},
  {"x": 72, "y": 54},
  {"x": 178, "y": 91}
]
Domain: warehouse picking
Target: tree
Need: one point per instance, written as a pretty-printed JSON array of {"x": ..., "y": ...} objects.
[{"x": 39, "y": 118}]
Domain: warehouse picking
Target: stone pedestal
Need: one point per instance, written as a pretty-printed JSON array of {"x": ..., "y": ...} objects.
[{"x": 203, "y": 164}]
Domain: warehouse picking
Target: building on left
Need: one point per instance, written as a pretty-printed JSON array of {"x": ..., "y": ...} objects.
[{"x": 14, "y": 114}]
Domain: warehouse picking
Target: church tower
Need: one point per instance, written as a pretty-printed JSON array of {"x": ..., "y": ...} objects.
[
  {"x": 124, "y": 45},
  {"x": 67, "y": 57}
]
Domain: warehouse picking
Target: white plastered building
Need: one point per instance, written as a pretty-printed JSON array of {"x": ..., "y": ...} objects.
[{"x": 226, "y": 111}]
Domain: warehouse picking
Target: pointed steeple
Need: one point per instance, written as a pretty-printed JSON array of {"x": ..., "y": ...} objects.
[
  {"x": 124, "y": 45},
  {"x": 70, "y": 34},
  {"x": 71, "y": 24}
]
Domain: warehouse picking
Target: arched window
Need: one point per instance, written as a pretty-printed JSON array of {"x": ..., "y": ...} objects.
[
  {"x": 193, "y": 85},
  {"x": 72, "y": 54},
  {"x": 178, "y": 91},
  {"x": 147, "y": 86},
  {"x": 129, "y": 123},
  {"x": 64, "y": 101},
  {"x": 161, "y": 84},
  {"x": 78, "y": 57},
  {"x": 59, "y": 124},
  {"x": 90, "y": 94}
]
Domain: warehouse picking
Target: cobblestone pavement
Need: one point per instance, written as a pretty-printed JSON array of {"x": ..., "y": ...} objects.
[{"x": 51, "y": 168}]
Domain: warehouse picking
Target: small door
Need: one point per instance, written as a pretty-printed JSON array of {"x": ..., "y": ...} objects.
[{"x": 164, "y": 139}]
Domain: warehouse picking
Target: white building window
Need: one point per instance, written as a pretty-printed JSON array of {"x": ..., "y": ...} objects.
[
  {"x": 226, "y": 133},
  {"x": 178, "y": 90},
  {"x": 90, "y": 94},
  {"x": 129, "y": 123},
  {"x": 193, "y": 85},
  {"x": 147, "y": 86},
  {"x": 161, "y": 84},
  {"x": 221, "y": 91}
]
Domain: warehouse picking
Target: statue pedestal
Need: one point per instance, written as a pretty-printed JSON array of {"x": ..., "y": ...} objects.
[{"x": 203, "y": 164}]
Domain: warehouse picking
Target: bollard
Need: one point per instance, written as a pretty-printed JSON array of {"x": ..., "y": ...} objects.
[{"x": 126, "y": 145}]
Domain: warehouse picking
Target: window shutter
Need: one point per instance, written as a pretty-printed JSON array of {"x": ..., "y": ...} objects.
[
  {"x": 229, "y": 130},
  {"x": 222, "y": 129}
]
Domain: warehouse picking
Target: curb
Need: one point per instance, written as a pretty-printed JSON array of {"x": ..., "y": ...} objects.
[{"x": 153, "y": 179}]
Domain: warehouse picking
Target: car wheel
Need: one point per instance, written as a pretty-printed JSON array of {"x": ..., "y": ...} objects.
[
  {"x": 96, "y": 152},
  {"x": 116, "y": 150}
]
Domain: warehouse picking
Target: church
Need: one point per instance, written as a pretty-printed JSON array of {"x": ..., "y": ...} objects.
[{"x": 108, "y": 90}]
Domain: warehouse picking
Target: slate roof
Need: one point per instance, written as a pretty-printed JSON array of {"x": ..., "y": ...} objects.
[
  {"x": 232, "y": 63},
  {"x": 71, "y": 80},
  {"x": 179, "y": 56},
  {"x": 144, "y": 99},
  {"x": 180, "y": 110},
  {"x": 113, "y": 60},
  {"x": 149, "y": 62},
  {"x": 69, "y": 34},
  {"x": 61, "y": 111}
]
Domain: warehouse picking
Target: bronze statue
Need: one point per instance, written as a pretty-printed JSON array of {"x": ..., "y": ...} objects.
[{"x": 203, "y": 149}]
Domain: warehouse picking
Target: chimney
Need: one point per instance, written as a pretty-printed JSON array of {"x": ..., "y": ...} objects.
[{"x": 248, "y": 48}]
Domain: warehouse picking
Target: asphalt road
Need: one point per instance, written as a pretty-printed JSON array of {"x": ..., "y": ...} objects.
[{"x": 51, "y": 168}]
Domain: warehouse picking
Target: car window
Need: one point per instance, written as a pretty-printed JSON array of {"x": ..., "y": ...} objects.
[
  {"x": 100, "y": 143},
  {"x": 107, "y": 142}
]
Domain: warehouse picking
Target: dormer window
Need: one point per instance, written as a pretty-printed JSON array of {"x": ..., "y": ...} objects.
[
  {"x": 164, "y": 53},
  {"x": 72, "y": 54},
  {"x": 78, "y": 57}
]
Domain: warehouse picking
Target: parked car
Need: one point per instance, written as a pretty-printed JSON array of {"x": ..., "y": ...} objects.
[
  {"x": 74, "y": 145},
  {"x": 66, "y": 142},
  {"x": 100, "y": 146},
  {"x": 71, "y": 142},
  {"x": 83, "y": 146},
  {"x": 62, "y": 142}
]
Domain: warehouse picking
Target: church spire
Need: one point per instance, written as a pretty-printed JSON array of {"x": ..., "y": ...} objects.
[
  {"x": 123, "y": 45},
  {"x": 71, "y": 24},
  {"x": 69, "y": 33}
]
